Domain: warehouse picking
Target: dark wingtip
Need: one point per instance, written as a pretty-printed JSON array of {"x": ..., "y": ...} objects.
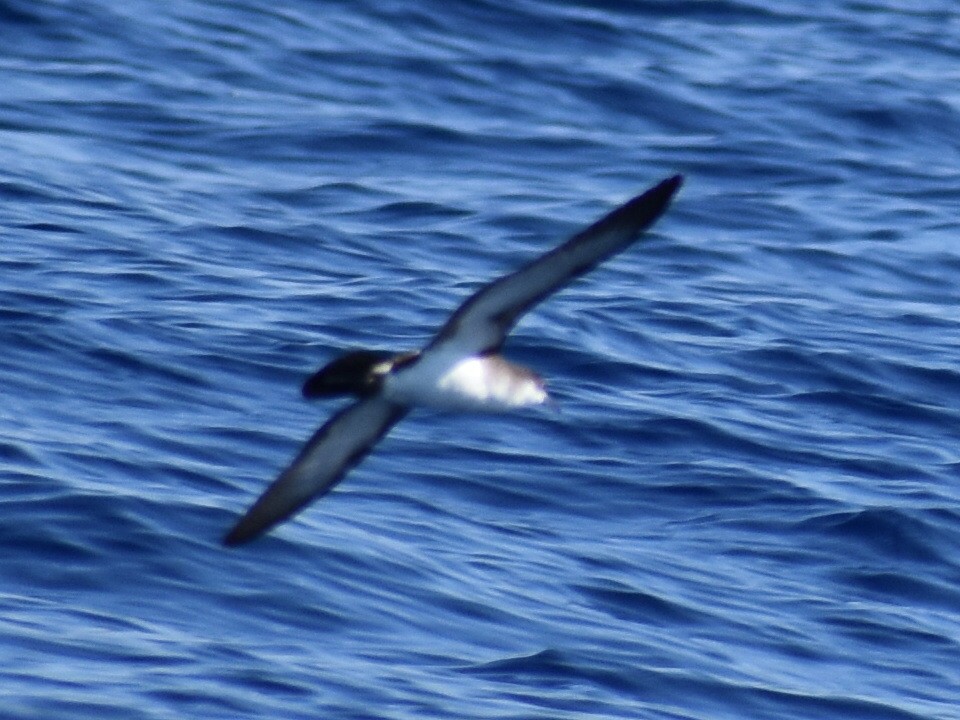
[
  {"x": 642, "y": 211},
  {"x": 270, "y": 509},
  {"x": 661, "y": 193},
  {"x": 237, "y": 536}
]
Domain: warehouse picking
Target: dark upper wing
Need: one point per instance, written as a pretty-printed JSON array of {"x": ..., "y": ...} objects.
[
  {"x": 482, "y": 322},
  {"x": 336, "y": 447}
]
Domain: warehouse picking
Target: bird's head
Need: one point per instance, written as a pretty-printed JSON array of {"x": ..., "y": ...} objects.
[{"x": 357, "y": 373}]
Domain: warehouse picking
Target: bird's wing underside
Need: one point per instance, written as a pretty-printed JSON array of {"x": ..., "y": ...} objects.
[
  {"x": 336, "y": 447},
  {"x": 482, "y": 323}
]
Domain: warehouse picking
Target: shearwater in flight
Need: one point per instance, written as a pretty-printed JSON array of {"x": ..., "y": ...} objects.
[{"x": 460, "y": 369}]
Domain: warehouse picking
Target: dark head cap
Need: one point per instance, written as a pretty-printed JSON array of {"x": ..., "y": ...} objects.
[{"x": 356, "y": 373}]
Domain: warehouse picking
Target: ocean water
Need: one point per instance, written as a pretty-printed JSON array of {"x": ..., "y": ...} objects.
[{"x": 747, "y": 503}]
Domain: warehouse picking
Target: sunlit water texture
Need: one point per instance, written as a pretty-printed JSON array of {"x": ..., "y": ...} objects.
[{"x": 746, "y": 505}]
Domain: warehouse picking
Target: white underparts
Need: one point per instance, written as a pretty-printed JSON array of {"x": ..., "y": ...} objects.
[{"x": 474, "y": 383}]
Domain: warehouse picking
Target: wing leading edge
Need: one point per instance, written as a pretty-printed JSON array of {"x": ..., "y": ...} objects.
[
  {"x": 336, "y": 447},
  {"x": 482, "y": 323}
]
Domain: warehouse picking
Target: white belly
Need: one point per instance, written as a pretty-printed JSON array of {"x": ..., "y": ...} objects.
[{"x": 475, "y": 383}]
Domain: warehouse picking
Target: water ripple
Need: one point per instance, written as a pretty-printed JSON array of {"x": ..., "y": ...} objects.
[{"x": 745, "y": 502}]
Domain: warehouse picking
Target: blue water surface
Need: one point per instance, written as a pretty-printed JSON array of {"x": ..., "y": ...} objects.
[{"x": 747, "y": 502}]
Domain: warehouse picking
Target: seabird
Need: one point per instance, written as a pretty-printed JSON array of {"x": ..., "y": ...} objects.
[{"x": 460, "y": 369}]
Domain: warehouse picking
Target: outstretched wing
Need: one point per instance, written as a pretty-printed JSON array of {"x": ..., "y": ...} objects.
[
  {"x": 336, "y": 447},
  {"x": 482, "y": 323}
]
